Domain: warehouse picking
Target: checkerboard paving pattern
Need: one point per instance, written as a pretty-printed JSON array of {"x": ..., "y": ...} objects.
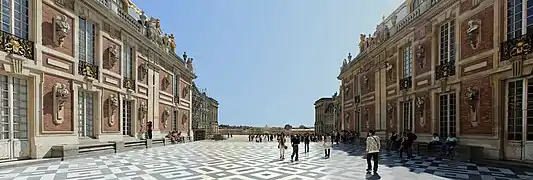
[{"x": 234, "y": 160}]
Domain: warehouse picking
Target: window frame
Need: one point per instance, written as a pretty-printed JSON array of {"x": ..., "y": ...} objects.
[
  {"x": 449, "y": 42},
  {"x": 86, "y": 56},
  {"x": 128, "y": 60},
  {"x": 127, "y": 118},
  {"x": 12, "y": 18},
  {"x": 408, "y": 115},
  {"x": 518, "y": 120},
  {"x": 407, "y": 61},
  {"x": 12, "y": 124},
  {"x": 83, "y": 111},
  {"x": 448, "y": 101},
  {"x": 518, "y": 24}
]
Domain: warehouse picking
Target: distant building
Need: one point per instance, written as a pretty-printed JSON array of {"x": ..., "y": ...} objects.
[
  {"x": 325, "y": 115},
  {"x": 204, "y": 115}
]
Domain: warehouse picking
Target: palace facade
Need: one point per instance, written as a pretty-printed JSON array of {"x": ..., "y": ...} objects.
[
  {"x": 75, "y": 72},
  {"x": 455, "y": 68},
  {"x": 204, "y": 115},
  {"x": 327, "y": 115}
]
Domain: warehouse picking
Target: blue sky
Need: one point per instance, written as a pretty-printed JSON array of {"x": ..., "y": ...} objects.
[{"x": 267, "y": 61}]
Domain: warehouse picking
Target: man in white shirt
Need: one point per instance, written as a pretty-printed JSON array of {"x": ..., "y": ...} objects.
[
  {"x": 372, "y": 149},
  {"x": 435, "y": 141}
]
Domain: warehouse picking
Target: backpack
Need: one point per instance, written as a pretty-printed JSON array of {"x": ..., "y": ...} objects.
[{"x": 414, "y": 137}]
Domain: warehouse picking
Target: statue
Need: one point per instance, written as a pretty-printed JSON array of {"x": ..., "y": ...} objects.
[
  {"x": 172, "y": 43},
  {"x": 349, "y": 57},
  {"x": 362, "y": 43},
  {"x": 165, "y": 41},
  {"x": 143, "y": 19},
  {"x": 189, "y": 63},
  {"x": 184, "y": 56},
  {"x": 473, "y": 33},
  {"x": 151, "y": 29}
]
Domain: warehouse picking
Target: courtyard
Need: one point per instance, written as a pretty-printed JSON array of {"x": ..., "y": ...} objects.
[{"x": 237, "y": 158}]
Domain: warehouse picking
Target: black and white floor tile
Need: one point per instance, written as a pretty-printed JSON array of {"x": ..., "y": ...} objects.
[{"x": 234, "y": 160}]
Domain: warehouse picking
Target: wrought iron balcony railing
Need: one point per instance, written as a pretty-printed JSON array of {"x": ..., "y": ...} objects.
[
  {"x": 15, "y": 45},
  {"x": 444, "y": 70},
  {"x": 87, "y": 69},
  {"x": 406, "y": 83},
  {"x": 128, "y": 83},
  {"x": 518, "y": 46}
]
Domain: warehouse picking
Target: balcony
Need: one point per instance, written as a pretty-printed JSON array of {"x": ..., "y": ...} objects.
[
  {"x": 406, "y": 83},
  {"x": 444, "y": 70},
  {"x": 88, "y": 70},
  {"x": 128, "y": 83},
  {"x": 12, "y": 44},
  {"x": 519, "y": 46}
]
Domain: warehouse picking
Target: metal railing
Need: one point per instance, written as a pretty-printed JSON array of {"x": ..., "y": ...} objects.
[
  {"x": 87, "y": 69},
  {"x": 12, "y": 44}
]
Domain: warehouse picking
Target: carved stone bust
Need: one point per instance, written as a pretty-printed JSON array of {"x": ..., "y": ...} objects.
[{"x": 113, "y": 101}]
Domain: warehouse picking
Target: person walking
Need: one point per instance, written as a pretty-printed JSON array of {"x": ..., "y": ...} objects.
[
  {"x": 372, "y": 149},
  {"x": 307, "y": 140},
  {"x": 149, "y": 129},
  {"x": 327, "y": 145},
  {"x": 281, "y": 146},
  {"x": 295, "y": 141}
]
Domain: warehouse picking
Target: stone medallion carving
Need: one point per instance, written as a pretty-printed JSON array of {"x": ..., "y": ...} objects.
[
  {"x": 61, "y": 29},
  {"x": 390, "y": 114},
  {"x": 113, "y": 106},
  {"x": 365, "y": 116},
  {"x": 472, "y": 99},
  {"x": 420, "y": 107},
  {"x": 389, "y": 70},
  {"x": 473, "y": 34},
  {"x": 113, "y": 55},
  {"x": 143, "y": 71},
  {"x": 166, "y": 82},
  {"x": 61, "y": 95},
  {"x": 166, "y": 117},
  {"x": 421, "y": 55},
  {"x": 143, "y": 111}
]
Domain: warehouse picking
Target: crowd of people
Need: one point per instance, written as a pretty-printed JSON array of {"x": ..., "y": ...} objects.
[{"x": 402, "y": 142}]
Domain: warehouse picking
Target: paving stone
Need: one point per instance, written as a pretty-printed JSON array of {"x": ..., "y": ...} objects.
[{"x": 206, "y": 160}]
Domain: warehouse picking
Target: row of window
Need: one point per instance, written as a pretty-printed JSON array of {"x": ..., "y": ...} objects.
[
  {"x": 446, "y": 49},
  {"x": 447, "y": 120},
  {"x": 86, "y": 48},
  {"x": 86, "y": 116}
]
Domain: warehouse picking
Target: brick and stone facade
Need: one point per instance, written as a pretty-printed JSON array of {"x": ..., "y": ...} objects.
[
  {"x": 327, "y": 115},
  {"x": 85, "y": 72},
  {"x": 204, "y": 114},
  {"x": 445, "y": 67}
]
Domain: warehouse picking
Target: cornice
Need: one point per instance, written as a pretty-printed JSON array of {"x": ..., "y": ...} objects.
[
  {"x": 110, "y": 16},
  {"x": 429, "y": 14}
]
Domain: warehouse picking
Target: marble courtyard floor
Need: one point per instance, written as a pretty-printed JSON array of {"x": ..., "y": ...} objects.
[{"x": 239, "y": 159}]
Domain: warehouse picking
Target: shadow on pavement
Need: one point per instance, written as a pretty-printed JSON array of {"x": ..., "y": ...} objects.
[{"x": 420, "y": 164}]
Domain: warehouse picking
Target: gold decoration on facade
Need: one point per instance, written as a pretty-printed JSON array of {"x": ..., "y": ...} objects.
[
  {"x": 88, "y": 70},
  {"x": 129, "y": 83},
  {"x": 518, "y": 46},
  {"x": 444, "y": 70},
  {"x": 14, "y": 45}
]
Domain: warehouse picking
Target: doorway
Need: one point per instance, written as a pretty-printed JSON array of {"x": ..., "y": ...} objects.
[
  {"x": 13, "y": 118},
  {"x": 519, "y": 119}
]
